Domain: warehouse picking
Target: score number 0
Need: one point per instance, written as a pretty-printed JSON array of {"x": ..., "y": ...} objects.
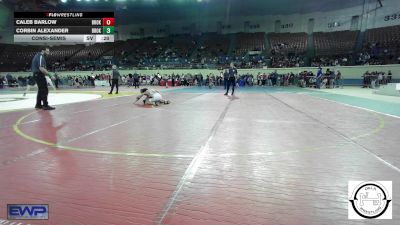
[{"x": 108, "y": 21}]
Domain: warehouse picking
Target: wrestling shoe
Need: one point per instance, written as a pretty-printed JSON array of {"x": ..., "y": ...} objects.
[{"x": 48, "y": 108}]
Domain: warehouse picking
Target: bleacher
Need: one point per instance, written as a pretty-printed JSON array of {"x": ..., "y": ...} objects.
[
  {"x": 183, "y": 45},
  {"x": 153, "y": 52},
  {"x": 335, "y": 43},
  {"x": 215, "y": 45},
  {"x": 246, "y": 42},
  {"x": 63, "y": 52},
  {"x": 17, "y": 57},
  {"x": 388, "y": 37},
  {"x": 383, "y": 43},
  {"x": 213, "y": 51},
  {"x": 295, "y": 43},
  {"x": 92, "y": 52}
]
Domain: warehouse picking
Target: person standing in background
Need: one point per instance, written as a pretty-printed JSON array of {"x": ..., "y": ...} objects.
[
  {"x": 339, "y": 81},
  {"x": 319, "y": 77},
  {"x": 136, "y": 80},
  {"x": 232, "y": 72},
  {"x": 56, "y": 80},
  {"x": 200, "y": 79},
  {"x": 226, "y": 76},
  {"x": 389, "y": 76},
  {"x": 39, "y": 73},
  {"x": 220, "y": 78},
  {"x": 173, "y": 80},
  {"x": 114, "y": 79},
  {"x": 275, "y": 77}
]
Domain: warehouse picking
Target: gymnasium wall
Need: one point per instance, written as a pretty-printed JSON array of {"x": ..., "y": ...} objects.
[
  {"x": 374, "y": 17},
  {"x": 351, "y": 74},
  {"x": 6, "y": 31},
  {"x": 388, "y": 15}
]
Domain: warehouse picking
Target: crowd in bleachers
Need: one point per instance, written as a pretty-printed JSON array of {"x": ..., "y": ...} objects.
[
  {"x": 212, "y": 50},
  {"x": 381, "y": 46},
  {"x": 338, "y": 60},
  {"x": 335, "y": 43},
  {"x": 287, "y": 61},
  {"x": 287, "y": 49},
  {"x": 327, "y": 79},
  {"x": 295, "y": 43},
  {"x": 246, "y": 42},
  {"x": 170, "y": 52}
]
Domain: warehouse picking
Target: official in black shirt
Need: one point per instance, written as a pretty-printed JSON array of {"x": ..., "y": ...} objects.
[
  {"x": 115, "y": 79},
  {"x": 136, "y": 80},
  {"x": 57, "y": 80},
  {"x": 173, "y": 80},
  {"x": 232, "y": 73},
  {"x": 39, "y": 72}
]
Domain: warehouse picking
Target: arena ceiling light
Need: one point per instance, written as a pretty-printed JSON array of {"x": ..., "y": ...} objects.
[{"x": 64, "y": 1}]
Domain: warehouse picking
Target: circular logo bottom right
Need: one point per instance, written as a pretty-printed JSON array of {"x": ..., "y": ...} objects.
[{"x": 370, "y": 200}]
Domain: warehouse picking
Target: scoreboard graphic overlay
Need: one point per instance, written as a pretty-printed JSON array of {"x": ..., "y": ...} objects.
[{"x": 73, "y": 27}]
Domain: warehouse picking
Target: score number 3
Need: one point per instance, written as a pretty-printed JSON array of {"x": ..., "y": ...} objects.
[{"x": 108, "y": 30}]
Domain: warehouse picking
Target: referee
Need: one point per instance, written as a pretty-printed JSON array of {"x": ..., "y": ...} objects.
[
  {"x": 136, "y": 80},
  {"x": 39, "y": 74},
  {"x": 232, "y": 73},
  {"x": 115, "y": 78}
]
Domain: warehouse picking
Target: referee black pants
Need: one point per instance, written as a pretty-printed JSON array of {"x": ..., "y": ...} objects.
[
  {"x": 226, "y": 83},
  {"x": 114, "y": 83},
  {"x": 136, "y": 83},
  {"x": 43, "y": 90},
  {"x": 231, "y": 81}
]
